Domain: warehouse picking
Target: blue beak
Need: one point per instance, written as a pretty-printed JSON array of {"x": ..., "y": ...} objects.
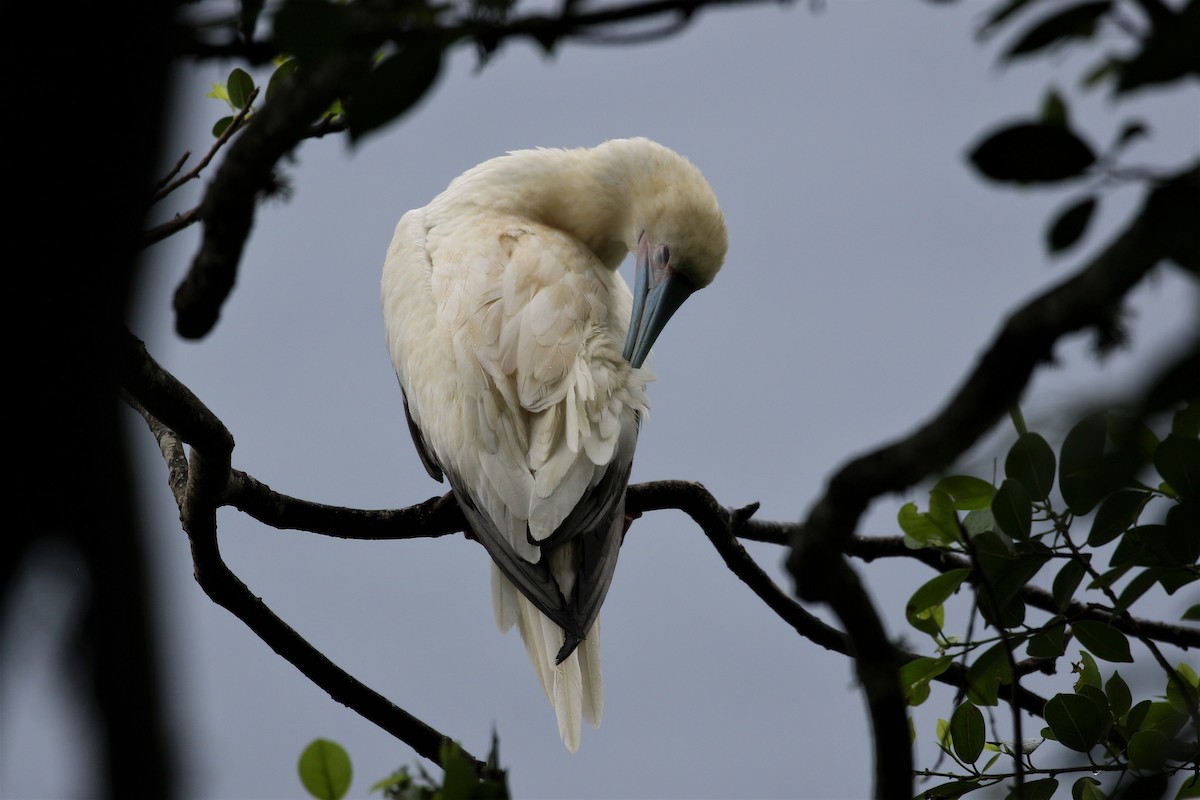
[{"x": 658, "y": 291}]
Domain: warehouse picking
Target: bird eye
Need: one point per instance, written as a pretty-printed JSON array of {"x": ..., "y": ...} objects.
[{"x": 662, "y": 256}]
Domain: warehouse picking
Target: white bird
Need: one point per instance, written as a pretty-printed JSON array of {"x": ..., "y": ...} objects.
[{"x": 519, "y": 351}]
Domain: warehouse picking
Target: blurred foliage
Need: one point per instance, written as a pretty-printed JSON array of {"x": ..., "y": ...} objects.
[
  {"x": 1115, "y": 513},
  {"x": 325, "y": 772},
  {"x": 1163, "y": 48}
]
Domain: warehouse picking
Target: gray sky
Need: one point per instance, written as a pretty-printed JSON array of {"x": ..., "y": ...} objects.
[{"x": 867, "y": 268}]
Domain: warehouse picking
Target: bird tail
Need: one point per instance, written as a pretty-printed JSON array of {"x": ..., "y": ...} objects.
[{"x": 574, "y": 687}]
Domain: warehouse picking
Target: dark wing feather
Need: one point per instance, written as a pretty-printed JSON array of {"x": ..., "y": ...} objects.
[
  {"x": 431, "y": 465},
  {"x": 595, "y": 527}
]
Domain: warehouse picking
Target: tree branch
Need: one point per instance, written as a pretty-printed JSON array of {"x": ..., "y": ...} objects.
[
  {"x": 229, "y": 204},
  {"x": 233, "y": 127},
  {"x": 817, "y": 558},
  {"x": 209, "y": 482},
  {"x": 721, "y": 525},
  {"x": 150, "y": 386}
]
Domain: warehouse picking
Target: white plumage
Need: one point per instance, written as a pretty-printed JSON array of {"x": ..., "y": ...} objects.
[{"x": 519, "y": 351}]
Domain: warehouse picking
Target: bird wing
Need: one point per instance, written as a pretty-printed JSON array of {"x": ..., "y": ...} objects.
[
  {"x": 430, "y": 463},
  {"x": 506, "y": 337}
]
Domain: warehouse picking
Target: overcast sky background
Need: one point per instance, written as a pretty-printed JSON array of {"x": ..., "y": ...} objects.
[{"x": 867, "y": 268}]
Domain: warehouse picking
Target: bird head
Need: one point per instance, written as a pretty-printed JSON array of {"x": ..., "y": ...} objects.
[{"x": 681, "y": 242}]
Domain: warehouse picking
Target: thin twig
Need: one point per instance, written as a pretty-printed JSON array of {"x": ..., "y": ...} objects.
[
  {"x": 174, "y": 170},
  {"x": 225, "y": 136},
  {"x": 168, "y": 229}
]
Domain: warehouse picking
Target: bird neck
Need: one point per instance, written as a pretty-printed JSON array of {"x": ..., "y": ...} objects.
[{"x": 592, "y": 194}]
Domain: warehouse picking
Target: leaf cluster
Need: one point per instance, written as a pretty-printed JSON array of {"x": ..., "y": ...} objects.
[
  {"x": 1112, "y": 468},
  {"x": 325, "y": 772},
  {"x": 1047, "y": 148}
]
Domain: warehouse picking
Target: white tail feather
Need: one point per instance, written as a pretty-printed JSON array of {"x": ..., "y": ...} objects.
[
  {"x": 504, "y": 600},
  {"x": 574, "y": 687},
  {"x": 588, "y": 654}
]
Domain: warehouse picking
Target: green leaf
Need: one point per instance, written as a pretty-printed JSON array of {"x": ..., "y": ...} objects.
[
  {"x": 1042, "y": 789},
  {"x": 1076, "y": 22},
  {"x": 280, "y": 76},
  {"x": 1183, "y": 533},
  {"x": 1089, "y": 673},
  {"x": 1175, "y": 694},
  {"x": 1190, "y": 788},
  {"x": 936, "y": 590},
  {"x": 1054, "y": 109},
  {"x": 1156, "y": 546},
  {"x": 936, "y": 528},
  {"x": 1098, "y": 697},
  {"x": 979, "y": 521},
  {"x": 1075, "y": 720},
  {"x": 1141, "y": 583},
  {"x": 1132, "y": 720},
  {"x": 1013, "y": 509},
  {"x": 325, "y": 770},
  {"x": 916, "y": 675},
  {"x": 241, "y": 85},
  {"x": 1119, "y": 698},
  {"x": 399, "y": 779},
  {"x": 1070, "y": 225},
  {"x": 1135, "y": 441},
  {"x": 1082, "y": 452},
  {"x": 986, "y": 673},
  {"x": 1118, "y": 513},
  {"x": 1107, "y": 579},
  {"x": 1189, "y": 675},
  {"x": 943, "y": 734},
  {"x": 1050, "y": 642},
  {"x": 1066, "y": 582},
  {"x": 1177, "y": 459},
  {"x": 393, "y": 87},
  {"x": 1007, "y": 570},
  {"x": 949, "y": 790},
  {"x": 1030, "y": 462},
  {"x": 1032, "y": 153},
  {"x": 459, "y": 779},
  {"x": 1185, "y": 422},
  {"x": 1102, "y": 640},
  {"x": 1172, "y": 580},
  {"x": 1162, "y": 716},
  {"x": 1192, "y": 614},
  {"x": 220, "y": 92},
  {"x": 220, "y": 126},
  {"x": 1148, "y": 750},
  {"x": 930, "y": 620},
  {"x": 941, "y": 511},
  {"x": 1087, "y": 789},
  {"x": 967, "y": 493},
  {"x": 967, "y": 732}
]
